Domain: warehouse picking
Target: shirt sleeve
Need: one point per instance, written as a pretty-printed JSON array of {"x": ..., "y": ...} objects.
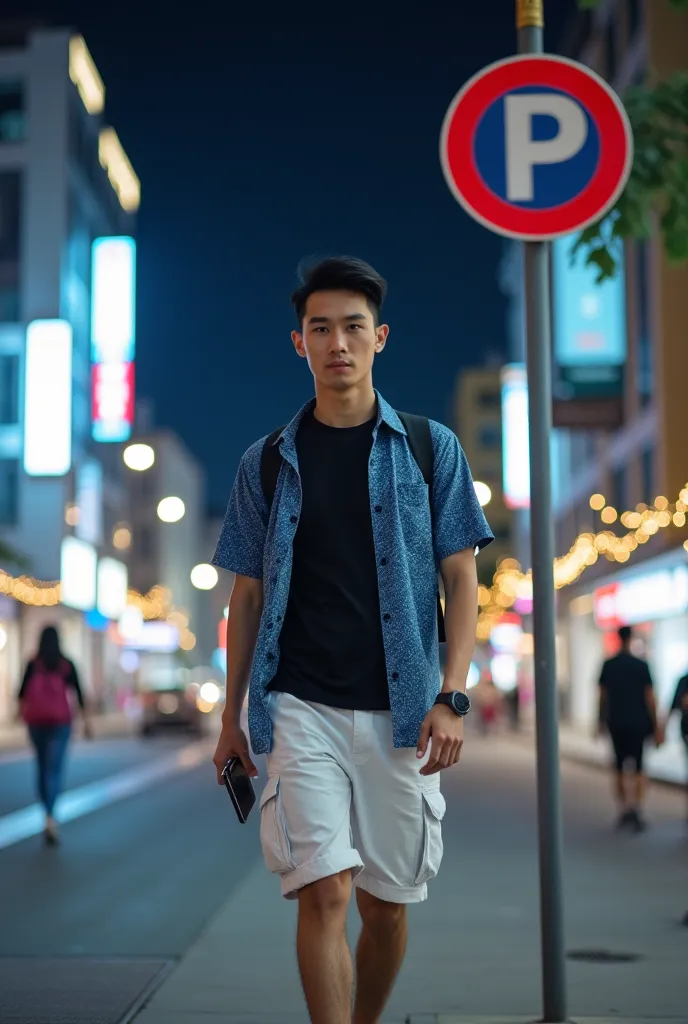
[
  {"x": 242, "y": 540},
  {"x": 458, "y": 519},
  {"x": 72, "y": 679}
]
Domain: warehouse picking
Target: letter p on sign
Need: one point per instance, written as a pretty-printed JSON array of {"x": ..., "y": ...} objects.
[
  {"x": 523, "y": 152},
  {"x": 536, "y": 147}
]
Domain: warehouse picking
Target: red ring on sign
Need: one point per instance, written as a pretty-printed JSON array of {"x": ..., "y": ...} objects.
[{"x": 468, "y": 185}]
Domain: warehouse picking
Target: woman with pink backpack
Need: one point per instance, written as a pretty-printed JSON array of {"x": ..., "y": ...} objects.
[{"x": 47, "y": 697}]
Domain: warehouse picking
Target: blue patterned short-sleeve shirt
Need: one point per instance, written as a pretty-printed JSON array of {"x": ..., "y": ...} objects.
[{"x": 257, "y": 541}]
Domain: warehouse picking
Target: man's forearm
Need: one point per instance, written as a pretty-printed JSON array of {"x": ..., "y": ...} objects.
[
  {"x": 243, "y": 623},
  {"x": 460, "y": 621}
]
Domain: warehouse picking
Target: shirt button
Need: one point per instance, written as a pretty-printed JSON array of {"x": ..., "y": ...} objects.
[
  {"x": 395, "y": 676},
  {"x": 270, "y": 625},
  {"x": 386, "y": 617},
  {"x": 279, "y": 618},
  {"x": 293, "y": 519},
  {"x": 383, "y": 561},
  {"x": 270, "y": 656},
  {"x": 378, "y": 508}
]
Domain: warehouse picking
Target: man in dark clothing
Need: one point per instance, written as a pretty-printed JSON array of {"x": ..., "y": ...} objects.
[{"x": 628, "y": 713}]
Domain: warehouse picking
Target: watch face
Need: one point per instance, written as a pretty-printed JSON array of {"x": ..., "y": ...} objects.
[{"x": 460, "y": 703}]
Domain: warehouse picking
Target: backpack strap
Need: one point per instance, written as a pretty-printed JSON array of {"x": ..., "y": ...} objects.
[
  {"x": 419, "y": 438},
  {"x": 270, "y": 464}
]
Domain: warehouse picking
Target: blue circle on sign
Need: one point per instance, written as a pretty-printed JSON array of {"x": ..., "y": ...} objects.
[{"x": 553, "y": 184}]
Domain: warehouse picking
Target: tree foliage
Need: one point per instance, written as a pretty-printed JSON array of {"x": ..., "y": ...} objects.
[{"x": 657, "y": 189}]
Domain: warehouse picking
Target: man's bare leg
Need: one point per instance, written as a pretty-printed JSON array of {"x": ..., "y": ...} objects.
[
  {"x": 323, "y": 953},
  {"x": 379, "y": 954}
]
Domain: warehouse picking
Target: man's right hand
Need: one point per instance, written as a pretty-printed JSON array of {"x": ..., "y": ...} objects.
[{"x": 233, "y": 743}]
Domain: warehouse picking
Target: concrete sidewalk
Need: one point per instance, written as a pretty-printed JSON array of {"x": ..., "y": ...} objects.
[{"x": 474, "y": 945}]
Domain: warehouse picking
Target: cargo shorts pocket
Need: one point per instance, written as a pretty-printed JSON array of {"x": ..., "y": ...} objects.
[
  {"x": 273, "y": 834},
  {"x": 434, "y": 806}
]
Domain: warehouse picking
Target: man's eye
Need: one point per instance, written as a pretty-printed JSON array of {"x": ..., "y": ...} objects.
[
  {"x": 320, "y": 330},
  {"x": 354, "y": 327}
]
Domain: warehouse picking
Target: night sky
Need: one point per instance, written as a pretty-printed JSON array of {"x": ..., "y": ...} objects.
[{"x": 263, "y": 133}]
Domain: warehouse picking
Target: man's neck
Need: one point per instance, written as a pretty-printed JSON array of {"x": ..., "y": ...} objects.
[{"x": 345, "y": 408}]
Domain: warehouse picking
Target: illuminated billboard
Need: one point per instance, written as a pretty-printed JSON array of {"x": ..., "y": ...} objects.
[
  {"x": 113, "y": 581},
  {"x": 48, "y": 398},
  {"x": 113, "y": 337},
  {"x": 589, "y": 322},
  {"x": 515, "y": 444},
  {"x": 78, "y": 561}
]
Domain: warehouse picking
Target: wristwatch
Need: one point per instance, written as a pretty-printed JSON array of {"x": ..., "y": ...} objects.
[{"x": 456, "y": 700}]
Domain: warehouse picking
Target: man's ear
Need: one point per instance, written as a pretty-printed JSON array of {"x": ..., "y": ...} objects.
[
  {"x": 381, "y": 335},
  {"x": 297, "y": 339}
]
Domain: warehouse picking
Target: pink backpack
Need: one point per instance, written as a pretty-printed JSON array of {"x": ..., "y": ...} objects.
[{"x": 46, "y": 700}]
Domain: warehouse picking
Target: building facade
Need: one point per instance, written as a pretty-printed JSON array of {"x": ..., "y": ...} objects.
[
  {"x": 478, "y": 424},
  {"x": 65, "y": 181},
  {"x": 619, "y": 492}
]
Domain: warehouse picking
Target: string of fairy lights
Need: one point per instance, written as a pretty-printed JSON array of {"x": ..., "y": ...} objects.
[{"x": 510, "y": 583}]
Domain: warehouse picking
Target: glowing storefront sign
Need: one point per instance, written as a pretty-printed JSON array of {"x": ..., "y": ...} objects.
[
  {"x": 515, "y": 445},
  {"x": 589, "y": 322},
  {"x": 154, "y": 636},
  {"x": 89, "y": 501},
  {"x": 112, "y": 588},
  {"x": 78, "y": 574},
  {"x": 656, "y": 595},
  {"x": 113, "y": 337},
  {"x": 48, "y": 398}
]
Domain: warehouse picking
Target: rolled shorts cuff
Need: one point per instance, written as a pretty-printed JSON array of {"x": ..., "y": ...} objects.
[
  {"x": 391, "y": 893},
  {"x": 319, "y": 867}
]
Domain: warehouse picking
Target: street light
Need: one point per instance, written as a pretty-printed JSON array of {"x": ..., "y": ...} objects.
[
  {"x": 482, "y": 492},
  {"x": 204, "y": 577},
  {"x": 139, "y": 457},
  {"x": 171, "y": 510}
]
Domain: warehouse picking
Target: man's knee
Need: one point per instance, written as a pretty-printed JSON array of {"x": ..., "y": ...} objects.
[
  {"x": 380, "y": 917},
  {"x": 328, "y": 898}
]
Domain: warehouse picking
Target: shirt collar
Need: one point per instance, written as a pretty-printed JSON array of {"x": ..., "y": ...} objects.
[{"x": 385, "y": 414}]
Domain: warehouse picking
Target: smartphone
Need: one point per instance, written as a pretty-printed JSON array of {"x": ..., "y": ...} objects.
[{"x": 239, "y": 787}]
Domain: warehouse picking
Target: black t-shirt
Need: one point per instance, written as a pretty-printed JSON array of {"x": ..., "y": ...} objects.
[
  {"x": 331, "y": 641},
  {"x": 624, "y": 681},
  {"x": 680, "y": 703}
]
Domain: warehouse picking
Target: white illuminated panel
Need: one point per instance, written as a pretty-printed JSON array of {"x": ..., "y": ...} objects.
[
  {"x": 154, "y": 636},
  {"x": 89, "y": 500},
  {"x": 48, "y": 398},
  {"x": 113, "y": 323},
  {"x": 515, "y": 445},
  {"x": 656, "y": 595},
  {"x": 78, "y": 574},
  {"x": 112, "y": 588}
]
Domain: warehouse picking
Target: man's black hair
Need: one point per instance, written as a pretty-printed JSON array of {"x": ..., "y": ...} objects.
[
  {"x": 339, "y": 274},
  {"x": 625, "y": 634}
]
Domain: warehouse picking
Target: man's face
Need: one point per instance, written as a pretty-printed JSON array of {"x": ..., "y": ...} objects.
[{"x": 339, "y": 339}]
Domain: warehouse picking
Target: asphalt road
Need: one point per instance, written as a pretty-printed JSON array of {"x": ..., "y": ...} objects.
[{"x": 144, "y": 876}]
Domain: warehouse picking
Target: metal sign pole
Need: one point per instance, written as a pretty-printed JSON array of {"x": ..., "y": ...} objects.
[{"x": 530, "y": 24}]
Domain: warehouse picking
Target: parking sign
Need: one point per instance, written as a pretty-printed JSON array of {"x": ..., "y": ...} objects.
[{"x": 536, "y": 146}]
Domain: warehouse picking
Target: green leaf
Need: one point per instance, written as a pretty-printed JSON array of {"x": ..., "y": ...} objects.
[{"x": 606, "y": 265}]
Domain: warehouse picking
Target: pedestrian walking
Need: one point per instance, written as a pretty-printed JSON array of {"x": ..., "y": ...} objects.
[
  {"x": 336, "y": 529},
  {"x": 679, "y": 705},
  {"x": 488, "y": 701},
  {"x": 628, "y": 713},
  {"x": 47, "y": 695}
]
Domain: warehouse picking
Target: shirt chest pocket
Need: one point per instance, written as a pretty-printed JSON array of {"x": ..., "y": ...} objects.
[{"x": 413, "y": 493}]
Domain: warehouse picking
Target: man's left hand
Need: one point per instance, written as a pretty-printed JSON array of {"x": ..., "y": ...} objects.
[{"x": 443, "y": 729}]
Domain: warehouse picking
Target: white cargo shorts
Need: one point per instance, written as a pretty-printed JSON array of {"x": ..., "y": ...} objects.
[{"x": 341, "y": 797}]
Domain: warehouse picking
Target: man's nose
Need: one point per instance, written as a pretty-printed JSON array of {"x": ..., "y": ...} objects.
[{"x": 338, "y": 341}]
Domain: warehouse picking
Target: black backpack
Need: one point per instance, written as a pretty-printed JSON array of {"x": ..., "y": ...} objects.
[{"x": 420, "y": 443}]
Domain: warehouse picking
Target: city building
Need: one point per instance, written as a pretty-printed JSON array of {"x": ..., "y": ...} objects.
[
  {"x": 620, "y": 462},
  {"x": 478, "y": 423},
  {"x": 66, "y": 353}
]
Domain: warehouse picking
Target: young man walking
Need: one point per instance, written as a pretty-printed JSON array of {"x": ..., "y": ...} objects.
[
  {"x": 336, "y": 540},
  {"x": 628, "y": 713}
]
